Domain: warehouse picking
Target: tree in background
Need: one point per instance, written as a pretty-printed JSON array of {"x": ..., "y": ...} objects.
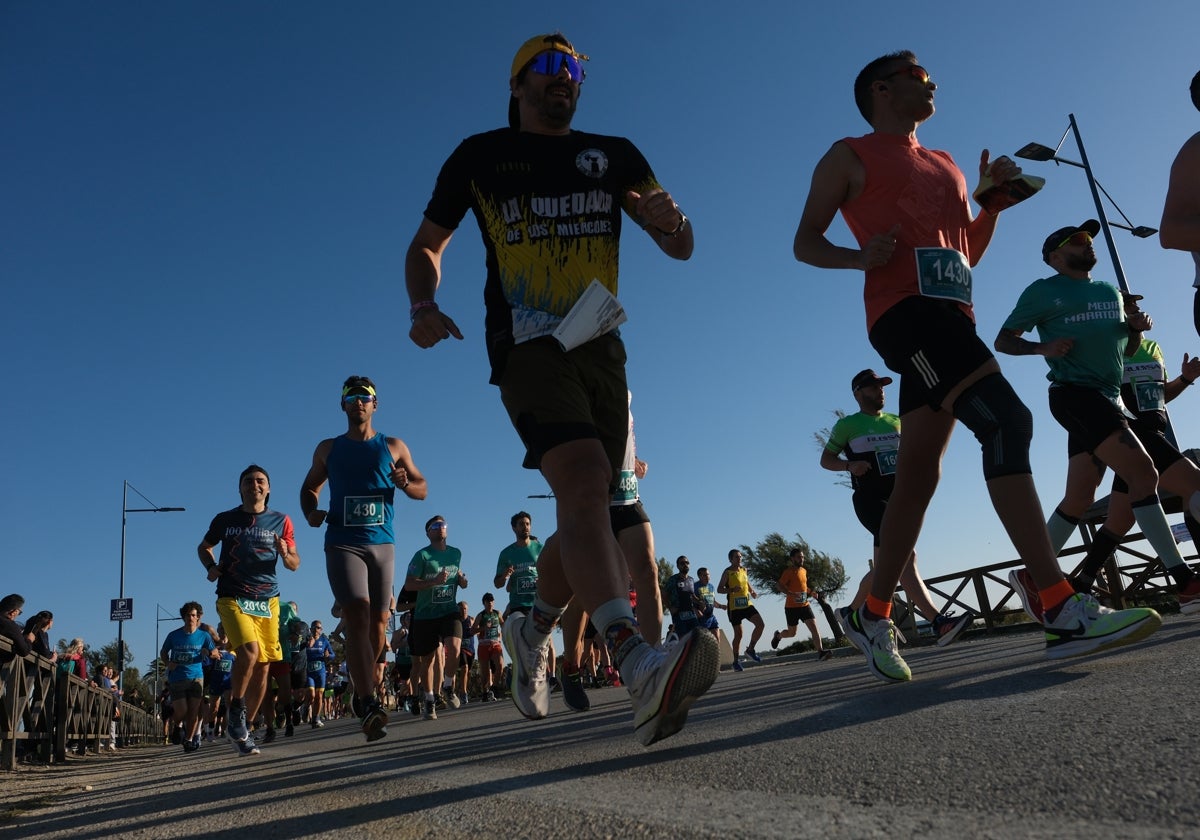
[
  {"x": 765, "y": 562},
  {"x": 821, "y": 437}
]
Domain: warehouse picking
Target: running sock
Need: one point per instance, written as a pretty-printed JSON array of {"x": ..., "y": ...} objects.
[
  {"x": 1153, "y": 522},
  {"x": 1102, "y": 547},
  {"x": 543, "y": 618},
  {"x": 1193, "y": 527},
  {"x": 877, "y": 609},
  {"x": 1055, "y": 596},
  {"x": 625, "y": 643},
  {"x": 1060, "y": 527}
]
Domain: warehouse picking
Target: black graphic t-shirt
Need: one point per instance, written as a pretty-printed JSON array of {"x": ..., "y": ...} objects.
[{"x": 549, "y": 208}]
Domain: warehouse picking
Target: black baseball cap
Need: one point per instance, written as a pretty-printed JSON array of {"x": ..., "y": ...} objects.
[
  {"x": 868, "y": 377},
  {"x": 1055, "y": 240}
]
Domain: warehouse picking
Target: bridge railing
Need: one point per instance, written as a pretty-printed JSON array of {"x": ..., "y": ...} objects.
[
  {"x": 1131, "y": 574},
  {"x": 48, "y": 712}
]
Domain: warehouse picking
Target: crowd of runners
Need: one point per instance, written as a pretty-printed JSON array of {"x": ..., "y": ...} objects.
[{"x": 550, "y": 201}]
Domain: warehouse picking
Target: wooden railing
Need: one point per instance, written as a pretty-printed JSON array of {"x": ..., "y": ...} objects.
[
  {"x": 48, "y": 712},
  {"x": 1132, "y": 574}
]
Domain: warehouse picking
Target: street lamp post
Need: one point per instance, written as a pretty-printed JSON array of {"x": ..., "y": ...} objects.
[
  {"x": 158, "y": 620},
  {"x": 1036, "y": 151},
  {"x": 125, "y": 510}
]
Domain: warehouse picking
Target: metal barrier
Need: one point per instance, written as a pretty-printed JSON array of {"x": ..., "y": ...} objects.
[{"x": 49, "y": 713}]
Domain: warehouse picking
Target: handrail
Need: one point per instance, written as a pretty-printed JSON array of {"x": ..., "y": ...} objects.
[{"x": 48, "y": 711}]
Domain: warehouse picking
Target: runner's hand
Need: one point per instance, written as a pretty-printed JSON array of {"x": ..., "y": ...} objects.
[
  {"x": 317, "y": 518},
  {"x": 431, "y": 326},
  {"x": 878, "y": 249},
  {"x": 999, "y": 170},
  {"x": 1190, "y": 367},
  {"x": 1057, "y": 348}
]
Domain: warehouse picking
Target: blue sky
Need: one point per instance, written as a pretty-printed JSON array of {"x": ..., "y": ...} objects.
[{"x": 205, "y": 207}]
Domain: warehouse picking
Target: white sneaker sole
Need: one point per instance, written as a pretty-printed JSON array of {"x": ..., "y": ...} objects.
[
  {"x": 693, "y": 672},
  {"x": 539, "y": 710},
  {"x": 1127, "y": 635}
]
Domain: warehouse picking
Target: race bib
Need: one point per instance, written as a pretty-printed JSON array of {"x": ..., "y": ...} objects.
[
  {"x": 258, "y": 609},
  {"x": 943, "y": 273},
  {"x": 527, "y": 585},
  {"x": 316, "y": 665},
  {"x": 1150, "y": 395},
  {"x": 362, "y": 510},
  {"x": 885, "y": 459},
  {"x": 443, "y": 594},
  {"x": 741, "y": 602},
  {"x": 627, "y": 489}
]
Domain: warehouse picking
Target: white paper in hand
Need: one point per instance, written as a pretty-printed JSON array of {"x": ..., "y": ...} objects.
[{"x": 596, "y": 312}]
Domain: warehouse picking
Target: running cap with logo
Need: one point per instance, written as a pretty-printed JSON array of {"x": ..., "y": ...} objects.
[
  {"x": 868, "y": 377},
  {"x": 1057, "y": 239},
  {"x": 555, "y": 42}
]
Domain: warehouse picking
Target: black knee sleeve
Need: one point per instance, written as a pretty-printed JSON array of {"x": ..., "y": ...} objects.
[{"x": 1000, "y": 422}]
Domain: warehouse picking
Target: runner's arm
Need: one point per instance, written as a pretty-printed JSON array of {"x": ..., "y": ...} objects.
[
  {"x": 422, "y": 275},
  {"x": 837, "y": 178},
  {"x": 1180, "y": 225},
  {"x": 310, "y": 490}
]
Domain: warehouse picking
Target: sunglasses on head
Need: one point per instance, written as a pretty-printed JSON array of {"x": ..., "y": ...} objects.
[
  {"x": 551, "y": 63},
  {"x": 1078, "y": 238}
]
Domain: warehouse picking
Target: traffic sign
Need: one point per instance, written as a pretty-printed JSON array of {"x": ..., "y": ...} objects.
[{"x": 121, "y": 610}]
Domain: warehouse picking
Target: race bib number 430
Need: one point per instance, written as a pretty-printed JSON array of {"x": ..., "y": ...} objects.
[
  {"x": 943, "y": 273},
  {"x": 363, "y": 510}
]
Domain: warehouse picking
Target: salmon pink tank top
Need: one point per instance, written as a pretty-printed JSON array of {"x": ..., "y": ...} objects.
[{"x": 924, "y": 192}]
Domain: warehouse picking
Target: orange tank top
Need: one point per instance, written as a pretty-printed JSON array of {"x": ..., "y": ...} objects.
[{"x": 924, "y": 192}]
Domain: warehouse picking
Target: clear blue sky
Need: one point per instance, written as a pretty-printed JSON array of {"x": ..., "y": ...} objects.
[{"x": 204, "y": 209}]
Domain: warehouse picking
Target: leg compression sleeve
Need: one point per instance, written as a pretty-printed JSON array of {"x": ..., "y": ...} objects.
[{"x": 1000, "y": 422}]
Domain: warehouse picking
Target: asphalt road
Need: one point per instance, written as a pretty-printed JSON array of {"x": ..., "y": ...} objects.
[{"x": 989, "y": 740}]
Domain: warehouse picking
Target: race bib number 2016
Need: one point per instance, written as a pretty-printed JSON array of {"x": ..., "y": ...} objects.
[{"x": 250, "y": 606}]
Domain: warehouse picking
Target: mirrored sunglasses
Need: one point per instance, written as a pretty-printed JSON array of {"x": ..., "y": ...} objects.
[
  {"x": 1078, "y": 238},
  {"x": 551, "y": 63}
]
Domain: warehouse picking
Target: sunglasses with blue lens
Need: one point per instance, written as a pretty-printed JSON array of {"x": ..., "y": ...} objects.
[{"x": 551, "y": 63}]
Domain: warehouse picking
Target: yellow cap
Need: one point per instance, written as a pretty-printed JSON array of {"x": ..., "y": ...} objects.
[{"x": 539, "y": 44}]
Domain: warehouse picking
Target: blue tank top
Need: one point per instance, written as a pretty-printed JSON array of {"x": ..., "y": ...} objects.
[{"x": 360, "y": 492}]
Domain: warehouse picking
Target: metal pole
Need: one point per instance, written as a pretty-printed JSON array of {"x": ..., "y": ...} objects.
[
  {"x": 1122, "y": 283},
  {"x": 157, "y": 658},
  {"x": 1108, "y": 237},
  {"x": 121, "y": 590}
]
